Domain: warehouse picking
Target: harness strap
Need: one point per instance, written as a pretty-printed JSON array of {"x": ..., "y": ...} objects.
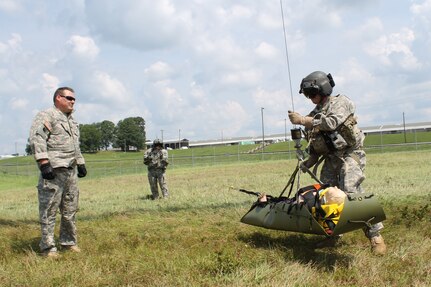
[
  {"x": 355, "y": 158},
  {"x": 316, "y": 166}
]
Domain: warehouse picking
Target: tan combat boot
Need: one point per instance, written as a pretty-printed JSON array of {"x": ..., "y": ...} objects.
[
  {"x": 50, "y": 253},
  {"x": 73, "y": 248},
  {"x": 378, "y": 246}
]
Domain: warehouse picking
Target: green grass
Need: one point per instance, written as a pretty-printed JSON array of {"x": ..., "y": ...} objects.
[
  {"x": 409, "y": 137},
  {"x": 195, "y": 238}
]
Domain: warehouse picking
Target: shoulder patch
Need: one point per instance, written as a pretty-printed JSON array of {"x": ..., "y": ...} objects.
[{"x": 47, "y": 125}]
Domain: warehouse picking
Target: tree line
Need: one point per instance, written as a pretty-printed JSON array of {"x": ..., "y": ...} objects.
[{"x": 128, "y": 134}]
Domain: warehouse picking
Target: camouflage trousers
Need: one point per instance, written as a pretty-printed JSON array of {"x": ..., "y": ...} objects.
[
  {"x": 60, "y": 193},
  {"x": 157, "y": 178},
  {"x": 347, "y": 172}
]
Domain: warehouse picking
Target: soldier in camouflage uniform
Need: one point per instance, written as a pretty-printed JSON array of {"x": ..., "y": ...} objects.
[
  {"x": 334, "y": 136},
  {"x": 54, "y": 139},
  {"x": 156, "y": 159}
]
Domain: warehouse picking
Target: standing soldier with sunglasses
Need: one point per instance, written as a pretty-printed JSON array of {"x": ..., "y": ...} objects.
[
  {"x": 54, "y": 139},
  {"x": 334, "y": 137}
]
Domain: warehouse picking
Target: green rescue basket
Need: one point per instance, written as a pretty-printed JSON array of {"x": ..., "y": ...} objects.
[{"x": 360, "y": 210}]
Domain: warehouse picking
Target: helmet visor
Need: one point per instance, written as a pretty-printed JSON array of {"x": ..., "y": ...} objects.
[{"x": 310, "y": 92}]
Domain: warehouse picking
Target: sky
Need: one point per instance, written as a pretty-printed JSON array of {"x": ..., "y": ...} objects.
[{"x": 204, "y": 70}]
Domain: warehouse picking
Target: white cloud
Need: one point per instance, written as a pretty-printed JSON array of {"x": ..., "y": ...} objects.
[
  {"x": 241, "y": 11},
  {"x": 50, "y": 83},
  {"x": 10, "y": 6},
  {"x": 394, "y": 49},
  {"x": 83, "y": 47},
  {"x": 269, "y": 21},
  {"x": 234, "y": 13},
  {"x": 3, "y": 48},
  {"x": 139, "y": 24},
  {"x": 371, "y": 29},
  {"x": 18, "y": 103},
  {"x": 354, "y": 80},
  {"x": 165, "y": 101},
  {"x": 424, "y": 8},
  {"x": 159, "y": 71},
  {"x": 247, "y": 77},
  {"x": 109, "y": 89},
  {"x": 232, "y": 116},
  {"x": 15, "y": 41},
  {"x": 266, "y": 50},
  {"x": 47, "y": 85},
  {"x": 12, "y": 45},
  {"x": 196, "y": 92},
  {"x": 308, "y": 14},
  {"x": 8, "y": 85},
  {"x": 272, "y": 101}
]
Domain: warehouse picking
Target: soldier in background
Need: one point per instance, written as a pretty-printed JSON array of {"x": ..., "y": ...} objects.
[
  {"x": 335, "y": 138},
  {"x": 156, "y": 160},
  {"x": 54, "y": 139}
]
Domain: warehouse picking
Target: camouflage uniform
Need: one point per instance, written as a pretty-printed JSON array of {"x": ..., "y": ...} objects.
[
  {"x": 55, "y": 136},
  {"x": 157, "y": 161},
  {"x": 343, "y": 167}
]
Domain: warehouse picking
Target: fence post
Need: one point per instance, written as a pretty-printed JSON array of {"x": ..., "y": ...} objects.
[{"x": 172, "y": 159}]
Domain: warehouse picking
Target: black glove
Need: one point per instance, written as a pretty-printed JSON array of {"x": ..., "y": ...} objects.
[
  {"x": 47, "y": 171},
  {"x": 309, "y": 163},
  {"x": 82, "y": 171}
]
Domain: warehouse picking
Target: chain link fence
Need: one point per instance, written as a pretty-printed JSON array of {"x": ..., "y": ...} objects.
[{"x": 103, "y": 168}]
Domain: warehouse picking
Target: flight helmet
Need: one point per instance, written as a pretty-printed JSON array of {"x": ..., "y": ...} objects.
[
  {"x": 317, "y": 82},
  {"x": 157, "y": 142}
]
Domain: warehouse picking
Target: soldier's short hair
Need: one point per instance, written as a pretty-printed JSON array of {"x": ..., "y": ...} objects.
[{"x": 59, "y": 92}]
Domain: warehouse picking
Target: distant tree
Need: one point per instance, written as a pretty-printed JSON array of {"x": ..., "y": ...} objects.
[
  {"x": 130, "y": 132},
  {"x": 91, "y": 138},
  {"x": 28, "y": 149},
  {"x": 107, "y": 130}
]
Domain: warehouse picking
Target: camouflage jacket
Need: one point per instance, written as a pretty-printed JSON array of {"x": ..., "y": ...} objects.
[
  {"x": 156, "y": 159},
  {"x": 337, "y": 114},
  {"x": 55, "y": 136}
]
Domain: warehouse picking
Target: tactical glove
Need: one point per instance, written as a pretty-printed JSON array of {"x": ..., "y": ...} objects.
[
  {"x": 307, "y": 164},
  {"x": 82, "y": 171},
  {"x": 47, "y": 171},
  {"x": 296, "y": 119}
]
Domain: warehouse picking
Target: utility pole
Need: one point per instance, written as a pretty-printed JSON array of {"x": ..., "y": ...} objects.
[
  {"x": 263, "y": 132},
  {"x": 404, "y": 124},
  {"x": 179, "y": 138}
]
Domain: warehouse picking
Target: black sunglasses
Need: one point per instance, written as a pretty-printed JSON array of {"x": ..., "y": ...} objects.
[{"x": 69, "y": 98}]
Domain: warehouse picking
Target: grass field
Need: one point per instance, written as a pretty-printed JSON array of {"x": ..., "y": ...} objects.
[{"x": 195, "y": 238}]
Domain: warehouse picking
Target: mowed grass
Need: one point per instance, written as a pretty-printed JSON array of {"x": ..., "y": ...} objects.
[{"x": 195, "y": 238}]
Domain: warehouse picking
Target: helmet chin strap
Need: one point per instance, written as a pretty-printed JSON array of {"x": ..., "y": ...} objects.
[{"x": 323, "y": 99}]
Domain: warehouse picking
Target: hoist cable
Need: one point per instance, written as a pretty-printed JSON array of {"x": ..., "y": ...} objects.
[{"x": 287, "y": 54}]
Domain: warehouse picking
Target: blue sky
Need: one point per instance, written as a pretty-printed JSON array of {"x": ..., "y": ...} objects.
[{"x": 204, "y": 68}]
